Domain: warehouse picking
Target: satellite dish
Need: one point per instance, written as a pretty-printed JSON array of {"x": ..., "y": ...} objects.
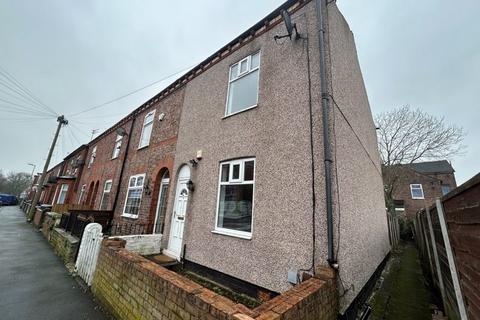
[
  {"x": 121, "y": 131},
  {"x": 288, "y": 22}
]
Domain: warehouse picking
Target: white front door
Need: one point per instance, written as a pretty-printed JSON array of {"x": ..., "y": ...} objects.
[{"x": 179, "y": 214}]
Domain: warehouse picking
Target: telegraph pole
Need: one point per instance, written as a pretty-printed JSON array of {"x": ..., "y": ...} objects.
[{"x": 61, "y": 121}]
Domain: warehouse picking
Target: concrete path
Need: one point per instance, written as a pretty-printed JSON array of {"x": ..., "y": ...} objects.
[{"x": 34, "y": 283}]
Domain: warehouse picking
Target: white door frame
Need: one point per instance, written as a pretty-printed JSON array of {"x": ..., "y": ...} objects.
[
  {"x": 182, "y": 178},
  {"x": 164, "y": 181}
]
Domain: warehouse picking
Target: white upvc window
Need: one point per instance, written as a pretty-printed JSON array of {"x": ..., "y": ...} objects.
[
  {"x": 243, "y": 85},
  {"x": 82, "y": 193},
  {"x": 104, "y": 202},
  {"x": 235, "y": 198},
  {"x": 146, "y": 130},
  {"x": 63, "y": 194},
  {"x": 417, "y": 191},
  {"x": 134, "y": 196},
  {"x": 118, "y": 145},
  {"x": 92, "y": 156}
]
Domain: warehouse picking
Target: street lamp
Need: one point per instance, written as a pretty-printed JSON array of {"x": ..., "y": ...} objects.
[{"x": 34, "y": 166}]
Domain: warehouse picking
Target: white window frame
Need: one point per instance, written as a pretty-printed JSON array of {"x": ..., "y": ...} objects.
[
  {"x": 93, "y": 155},
  {"x": 117, "y": 146},
  {"x": 226, "y": 231},
  {"x": 152, "y": 114},
  {"x": 105, "y": 191},
  {"x": 415, "y": 186},
  {"x": 82, "y": 193},
  {"x": 128, "y": 215},
  {"x": 60, "y": 193},
  {"x": 445, "y": 186},
  {"x": 241, "y": 75}
]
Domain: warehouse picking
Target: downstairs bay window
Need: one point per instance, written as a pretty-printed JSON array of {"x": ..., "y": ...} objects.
[
  {"x": 235, "y": 198},
  {"x": 134, "y": 196}
]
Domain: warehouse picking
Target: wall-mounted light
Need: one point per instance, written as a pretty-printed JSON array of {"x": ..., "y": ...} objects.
[
  {"x": 193, "y": 162},
  {"x": 190, "y": 186},
  {"x": 161, "y": 116}
]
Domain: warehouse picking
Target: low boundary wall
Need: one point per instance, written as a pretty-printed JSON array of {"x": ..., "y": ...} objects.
[
  {"x": 132, "y": 287},
  {"x": 64, "y": 244},
  {"x": 144, "y": 244}
]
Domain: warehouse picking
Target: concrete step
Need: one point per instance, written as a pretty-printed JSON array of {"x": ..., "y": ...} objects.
[{"x": 164, "y": 260}]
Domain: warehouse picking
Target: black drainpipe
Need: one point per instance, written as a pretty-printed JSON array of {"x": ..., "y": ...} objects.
[
  {"x": 121, "y": 169},
  {"x": 320, "y": 9}
]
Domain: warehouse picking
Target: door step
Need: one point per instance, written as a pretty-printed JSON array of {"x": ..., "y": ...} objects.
[{"x": 164, "y": 260}]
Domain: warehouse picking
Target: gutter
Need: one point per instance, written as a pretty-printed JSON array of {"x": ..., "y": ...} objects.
[{"x": 321, "y": 7}]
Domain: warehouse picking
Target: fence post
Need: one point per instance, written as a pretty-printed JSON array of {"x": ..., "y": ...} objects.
[
  {"x": 427, "y": 243},
  {"x": 451, "y": 260},
  {"x": 435, "y": 255},
  {"x": 397, "y": 232}
]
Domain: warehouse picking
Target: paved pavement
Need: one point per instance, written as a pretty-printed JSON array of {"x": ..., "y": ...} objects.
[{"x": 34, "y": 283}]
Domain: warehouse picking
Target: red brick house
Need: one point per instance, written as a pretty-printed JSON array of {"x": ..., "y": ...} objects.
[
  {"x": 128, "y": 167},
  {"x": 148, "y": 167},
  {"x": 103, "y": 165},
  {"x": 419, "y": 184}
]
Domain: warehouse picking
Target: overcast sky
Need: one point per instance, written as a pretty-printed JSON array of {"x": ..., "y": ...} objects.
[{"x": 76, "y": 54}]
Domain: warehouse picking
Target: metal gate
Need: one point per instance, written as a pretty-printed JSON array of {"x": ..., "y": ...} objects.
[{"x": 88, "y": 253}]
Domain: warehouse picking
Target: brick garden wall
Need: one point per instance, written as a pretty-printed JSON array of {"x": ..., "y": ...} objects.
[
  {"x": 64, "y": 244},
  {"x": 132, "y": 287},
  {"x": 51, "y": 220}
]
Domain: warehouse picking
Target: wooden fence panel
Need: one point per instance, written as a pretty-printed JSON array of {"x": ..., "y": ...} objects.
[{"x": 448, "y": 236}]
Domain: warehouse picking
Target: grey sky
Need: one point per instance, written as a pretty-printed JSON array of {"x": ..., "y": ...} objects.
[{"x": 75, "y": 54}]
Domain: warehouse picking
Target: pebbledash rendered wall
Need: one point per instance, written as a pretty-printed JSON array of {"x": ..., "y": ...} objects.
[
  {"x": 277, "y": 134},
  {"x": 132, "y": 287},
  {"x": 359, "y": 214}
]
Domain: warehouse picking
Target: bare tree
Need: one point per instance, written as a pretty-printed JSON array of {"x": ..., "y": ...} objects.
[
  {"x": 407, "y": 135},
  {"x": 14, "y": 182}
]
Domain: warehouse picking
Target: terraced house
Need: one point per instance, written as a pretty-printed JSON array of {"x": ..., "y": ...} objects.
[{"x": 260, "y": 164}]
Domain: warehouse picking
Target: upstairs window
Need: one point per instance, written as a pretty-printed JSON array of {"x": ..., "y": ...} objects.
[
  {"x": 134, "y": 196},
  {"x": 92, "y": 156},
  {"x": 417, "y": 191},
  {"x": 118, "y": 145},
  {"x": 243, "y": 84},
  {"x": 445, "y": 189},
  {"x": 63, "y": 194},
  {"x": 106, "y": 195},
  {"x": 235, "y": 198},
  {"x": 146, "y": 130}
]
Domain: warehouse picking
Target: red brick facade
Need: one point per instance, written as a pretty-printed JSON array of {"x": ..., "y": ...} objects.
[
  {"x": 100, "y": 167},
  {"x": 154, "y": 159},
  {"x": 431, "y": 184}
]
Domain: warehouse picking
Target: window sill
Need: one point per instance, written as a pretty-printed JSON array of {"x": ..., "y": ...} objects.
[
  {"x": 143, "y": 147},
  {"x": 234, "y": 234},
  {"x": 243, "y": 110},
  {"x": 130, "y": 216},
  {"x": 418, "y": 198}
]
